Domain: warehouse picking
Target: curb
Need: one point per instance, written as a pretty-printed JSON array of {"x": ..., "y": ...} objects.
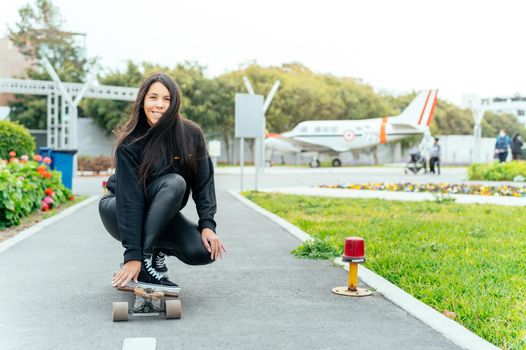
[
  {"x": 450, "y": 329},
  {"x": 10, "y": 242}
]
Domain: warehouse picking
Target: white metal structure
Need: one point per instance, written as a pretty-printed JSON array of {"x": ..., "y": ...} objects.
[
  {"x": 61, "y": 122},
  {"x": 478, "y": 108}
]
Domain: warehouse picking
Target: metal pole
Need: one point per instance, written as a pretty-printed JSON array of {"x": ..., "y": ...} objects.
[
  {"x": 256, "y": 163},
  {"x": 63, "y": 118},
  {"x": 241, "y": 157},
  {"x": 49, "y": 119}
]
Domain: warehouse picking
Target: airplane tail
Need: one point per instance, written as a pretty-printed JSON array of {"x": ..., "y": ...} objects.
[{"x": 420, "y": 111}]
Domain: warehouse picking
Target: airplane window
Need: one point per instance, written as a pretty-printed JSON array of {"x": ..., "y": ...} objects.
[
  {"x": 325, "y": 129},
  {"x": 303, "y": 129},
  {"x": 334, "y": 129},
  {"x": 317, "y": 129}
]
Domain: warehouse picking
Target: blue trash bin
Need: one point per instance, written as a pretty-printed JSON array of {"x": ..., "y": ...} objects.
[
  {"x": 62, "y": 160},
  {"x": 45, "y": 151}
]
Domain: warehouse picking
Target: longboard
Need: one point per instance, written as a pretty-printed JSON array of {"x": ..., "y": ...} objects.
[{"x": 147, "y": 302}]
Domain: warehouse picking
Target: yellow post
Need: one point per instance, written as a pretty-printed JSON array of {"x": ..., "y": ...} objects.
[{"x": 353, "y": 276}]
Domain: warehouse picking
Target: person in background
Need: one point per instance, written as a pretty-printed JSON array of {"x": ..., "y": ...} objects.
[
  {"x": 502, "y": 145},
  {"x": 434, "y": 157},
  {"x": 516, "y": 147}
]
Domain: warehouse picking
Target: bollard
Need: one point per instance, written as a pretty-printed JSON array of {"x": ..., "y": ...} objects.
[
  {"x": 104, "y": 189},
  {"x": 354, "y": 254}
]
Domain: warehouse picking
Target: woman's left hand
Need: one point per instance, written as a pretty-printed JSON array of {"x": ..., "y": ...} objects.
[{"x": 212, "y": 243}]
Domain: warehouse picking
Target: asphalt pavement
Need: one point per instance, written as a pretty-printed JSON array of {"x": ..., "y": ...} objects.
[{"x": 57, "y": 294}]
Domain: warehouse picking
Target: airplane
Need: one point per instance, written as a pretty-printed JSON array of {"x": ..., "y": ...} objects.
[{"x": 333, "y": 137}]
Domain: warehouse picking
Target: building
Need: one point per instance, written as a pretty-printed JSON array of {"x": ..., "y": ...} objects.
[
  {"x": 12, "y": 64},
  {"x": 515, "y": 105}
]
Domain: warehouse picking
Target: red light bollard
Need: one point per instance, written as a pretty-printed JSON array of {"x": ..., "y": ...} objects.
[
  {"x": 104, "y": 189},
  {"x": 354, "y": 254}
]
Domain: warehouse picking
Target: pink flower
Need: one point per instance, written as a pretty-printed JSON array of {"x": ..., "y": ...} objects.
[
  {"x": 21, "y": 178},
  {"x": 48, "y": 200},
  {"x": 47, "y": 160},
  {"x": 45, "y": 206},
  {"x": 25, "y": 157}
]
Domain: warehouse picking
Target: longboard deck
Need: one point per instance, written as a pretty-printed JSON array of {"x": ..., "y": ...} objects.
[{"x": 149, "y": 292}]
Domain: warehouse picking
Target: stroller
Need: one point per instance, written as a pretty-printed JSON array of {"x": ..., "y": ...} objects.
[{"x": 417, "y": 163}]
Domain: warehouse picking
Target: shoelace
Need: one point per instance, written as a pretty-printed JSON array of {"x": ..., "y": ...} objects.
[
  {"x": 159, "y": 260},
  {"x": 151, "y": 270}
]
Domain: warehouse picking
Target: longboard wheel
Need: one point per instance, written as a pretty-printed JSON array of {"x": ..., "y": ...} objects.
[
  {"x": 173, "y": 309},
  {"x": 119, "y": 311}
]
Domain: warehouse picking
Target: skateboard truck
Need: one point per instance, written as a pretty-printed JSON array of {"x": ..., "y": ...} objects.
[
  {"x": 148, "y": 302},
  {"x": 354, "y": 255}
]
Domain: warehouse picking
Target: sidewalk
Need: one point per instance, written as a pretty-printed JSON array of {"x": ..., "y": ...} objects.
[{"x": 57, "y": 294}]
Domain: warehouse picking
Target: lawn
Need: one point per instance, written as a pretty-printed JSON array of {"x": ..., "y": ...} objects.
[{"x": 467, "y": 259}]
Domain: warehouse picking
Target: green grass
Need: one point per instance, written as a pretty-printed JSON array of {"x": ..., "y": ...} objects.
[{"x": 468, "y": 259}]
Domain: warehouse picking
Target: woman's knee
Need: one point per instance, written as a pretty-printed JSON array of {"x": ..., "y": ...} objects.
[
  {"x": 171, "y": 185},
  {"x": 190, "y": 255},
  {"x": 174, "y": 182}
]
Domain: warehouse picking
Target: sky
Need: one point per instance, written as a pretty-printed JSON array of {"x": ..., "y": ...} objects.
[{"x": 460, "y": 47}]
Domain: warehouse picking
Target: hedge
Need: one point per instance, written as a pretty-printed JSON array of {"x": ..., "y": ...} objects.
[
  {"x": 26, "y": 186},
  {"x": 496, "y": 171},
  {"x": 15, "y": 137}
]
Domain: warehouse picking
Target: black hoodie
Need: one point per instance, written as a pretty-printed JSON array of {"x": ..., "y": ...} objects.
[{"x": 130, "y": 197}]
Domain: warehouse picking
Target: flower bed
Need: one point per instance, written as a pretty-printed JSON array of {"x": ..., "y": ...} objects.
[
  {"x": 444, "y": 188},
  {"x": 28, "y": 185}
]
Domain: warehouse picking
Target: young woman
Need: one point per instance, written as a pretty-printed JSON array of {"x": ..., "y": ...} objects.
[{"x": 160, "y": 157}]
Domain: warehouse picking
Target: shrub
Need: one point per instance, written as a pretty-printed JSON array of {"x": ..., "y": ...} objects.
[
  {"x": 95, "y": 164},
  {"x": 317, "y": 249},
  {"x": 497, "y": 171},
  {"x": 26, "y": 186},
  {"x": 15, "y": 137}
]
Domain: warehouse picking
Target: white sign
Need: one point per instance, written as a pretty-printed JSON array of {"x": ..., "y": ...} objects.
[
  {"x": 249, "y": 116},
  {"x": 214, "y": 148}
]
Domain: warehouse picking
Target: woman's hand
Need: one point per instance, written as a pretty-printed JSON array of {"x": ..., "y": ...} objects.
[
  {"x": 212, "y": 243},
  {"x": 130, "y": 270}
]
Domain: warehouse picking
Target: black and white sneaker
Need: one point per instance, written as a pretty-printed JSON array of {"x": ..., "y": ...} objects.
[
  {"x": 159, "y": 263},
  {"x": 149, "y": 278}
]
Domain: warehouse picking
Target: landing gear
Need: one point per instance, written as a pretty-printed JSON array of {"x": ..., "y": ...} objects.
[
  {"x": 336, "y": 162},
  {"x": 315, "y": 163}
]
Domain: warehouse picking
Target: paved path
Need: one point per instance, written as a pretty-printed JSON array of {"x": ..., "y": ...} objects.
[{"x": 57, "y": 293}]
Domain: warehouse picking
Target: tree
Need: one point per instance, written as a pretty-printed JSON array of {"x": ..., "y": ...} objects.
[
  {"x": 37, "y": 34},
  {"x": 493, "y": 122},
  {"x": 108, "y": 113}
]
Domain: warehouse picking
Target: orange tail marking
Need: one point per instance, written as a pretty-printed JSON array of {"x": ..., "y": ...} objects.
[
  {"x": 383, "y": 136},
  {"x": 432, "y": 109},
  {"x": 424, "y": 109}
]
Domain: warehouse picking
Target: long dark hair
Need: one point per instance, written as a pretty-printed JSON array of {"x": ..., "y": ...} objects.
[{"x": 164, "y": 142}]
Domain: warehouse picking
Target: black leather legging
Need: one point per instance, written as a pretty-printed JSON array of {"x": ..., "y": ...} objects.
[{"x": 164, "y": 227}]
